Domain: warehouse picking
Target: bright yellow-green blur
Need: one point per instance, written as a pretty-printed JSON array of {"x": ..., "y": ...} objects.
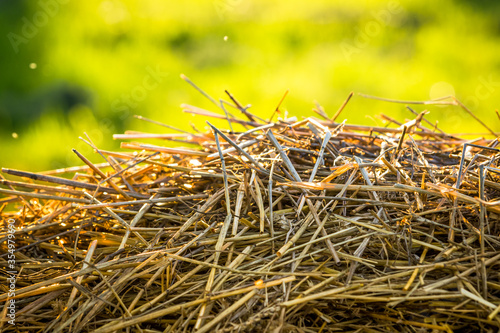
[{"x": 71, "y": 67}]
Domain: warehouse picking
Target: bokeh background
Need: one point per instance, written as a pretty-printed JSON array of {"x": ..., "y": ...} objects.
[{"x": 69, "y": 67}]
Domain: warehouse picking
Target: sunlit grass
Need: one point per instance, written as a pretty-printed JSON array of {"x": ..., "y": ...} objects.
[{"x": 109, "y": 47}]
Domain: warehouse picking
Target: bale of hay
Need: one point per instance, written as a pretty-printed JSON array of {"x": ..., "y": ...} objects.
[{"x": 285, "y": 226}]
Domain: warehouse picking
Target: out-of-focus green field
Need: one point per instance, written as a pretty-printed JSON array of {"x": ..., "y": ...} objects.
[{"x": 69, "y": 67}]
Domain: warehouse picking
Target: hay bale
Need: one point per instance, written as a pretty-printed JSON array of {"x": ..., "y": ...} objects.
[{"x": 291, "y": 226}]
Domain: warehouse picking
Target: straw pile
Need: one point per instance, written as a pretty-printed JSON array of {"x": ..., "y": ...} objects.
[{"x": 285, "y": 226}]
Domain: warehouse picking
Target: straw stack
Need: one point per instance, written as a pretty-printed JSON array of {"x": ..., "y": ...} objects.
[{"x": 284, "y": 226}]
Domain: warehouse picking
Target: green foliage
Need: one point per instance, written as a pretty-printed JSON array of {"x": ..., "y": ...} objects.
[{"x": 100, "y": 62}]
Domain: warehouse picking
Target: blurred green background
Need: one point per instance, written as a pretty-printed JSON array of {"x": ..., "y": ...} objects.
[{"x": 68, "y": 67}]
